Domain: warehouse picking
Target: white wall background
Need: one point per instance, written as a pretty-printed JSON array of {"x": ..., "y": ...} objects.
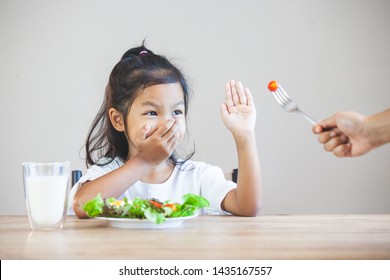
[{"x": 331, "y": 55}]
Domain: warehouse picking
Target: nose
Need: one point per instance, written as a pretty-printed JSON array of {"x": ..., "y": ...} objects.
[{"x": 164, "y": 119}]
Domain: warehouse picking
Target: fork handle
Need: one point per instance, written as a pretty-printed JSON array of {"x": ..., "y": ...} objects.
[{"x": 309, "y": 119}]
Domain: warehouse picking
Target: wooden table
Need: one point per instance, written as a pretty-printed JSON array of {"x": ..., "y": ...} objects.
[{"x": 206, "y": 237}]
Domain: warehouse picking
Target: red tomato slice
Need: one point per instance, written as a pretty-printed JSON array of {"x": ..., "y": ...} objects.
[{"x": 155, "y": 203}]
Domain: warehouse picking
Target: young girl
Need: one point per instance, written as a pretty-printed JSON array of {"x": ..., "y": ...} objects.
[{"x": 132, "y": 141}]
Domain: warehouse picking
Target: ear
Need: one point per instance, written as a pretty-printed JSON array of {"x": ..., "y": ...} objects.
[{"x": 116, "y": 119}]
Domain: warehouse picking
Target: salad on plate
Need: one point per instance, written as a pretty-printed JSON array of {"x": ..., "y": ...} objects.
[{"x": 151, "y": 209}]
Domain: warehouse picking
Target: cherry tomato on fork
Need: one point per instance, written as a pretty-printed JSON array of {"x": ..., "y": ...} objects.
[{"x": 273, "y": 86}]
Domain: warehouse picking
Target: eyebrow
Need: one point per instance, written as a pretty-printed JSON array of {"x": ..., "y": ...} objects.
[{"x": 150, "y": 103}]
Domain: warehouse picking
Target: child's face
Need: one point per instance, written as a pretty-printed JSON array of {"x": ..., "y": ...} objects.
[{"x": 155, "y": 106}]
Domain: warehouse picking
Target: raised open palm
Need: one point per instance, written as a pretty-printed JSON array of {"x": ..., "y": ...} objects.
[{"x": 238, "y": 112}]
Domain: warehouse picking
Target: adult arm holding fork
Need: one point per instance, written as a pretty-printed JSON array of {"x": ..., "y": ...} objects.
[{"x": 351, "y": 134}]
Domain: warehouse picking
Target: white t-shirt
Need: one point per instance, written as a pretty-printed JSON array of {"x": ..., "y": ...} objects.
[{"x": 192, "y": 177}]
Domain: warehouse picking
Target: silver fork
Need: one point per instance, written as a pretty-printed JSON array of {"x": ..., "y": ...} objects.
[{"x": 288, "y": 104}]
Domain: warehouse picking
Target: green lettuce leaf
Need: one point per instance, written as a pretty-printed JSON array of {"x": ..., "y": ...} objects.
[
  {"x": 195, "y": 200},
  {"x": 94, "y": 207},
  {"x": 191, "y": 204},
  {"x": 154, "y": 216}
]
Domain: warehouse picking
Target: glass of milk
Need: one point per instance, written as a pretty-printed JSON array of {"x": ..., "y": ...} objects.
[{"x": 46, "y": 189}]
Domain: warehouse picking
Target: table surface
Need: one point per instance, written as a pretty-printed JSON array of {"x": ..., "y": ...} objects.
[{"x": 271, "y": 237}]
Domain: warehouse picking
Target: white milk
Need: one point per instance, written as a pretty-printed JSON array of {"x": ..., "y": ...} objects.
[{"x": 46, "y": 198}]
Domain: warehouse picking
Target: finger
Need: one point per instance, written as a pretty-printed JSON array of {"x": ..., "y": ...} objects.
[
  {"x": 236, "y": 99},
  {"x": 164, "y": 128},
  {"x": 324, "y": 137},
  {"x": 328, "y": 122},
  {"x": 334, "y": 142},
  {"x": 224, "y": 110},
  {"x": 171, "y": 132},
  {"x": 178, "y": 140},
  {"x": 335, "y": 132},
  {"x": 228, "y": 91},
  {"x": 173, "y": 141},
  {"x": 343, "y": 150},
  {"x": 317, "y": 129},
  {"x": 241, "y": 93},
  {"x": 249, "y": 97},
  {"x": 143, "y": 133}
]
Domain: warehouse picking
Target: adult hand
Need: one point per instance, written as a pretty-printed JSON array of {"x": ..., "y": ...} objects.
[{"x": 345, "y": 134}]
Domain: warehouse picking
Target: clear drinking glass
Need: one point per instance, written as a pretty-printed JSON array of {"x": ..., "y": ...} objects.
[{"x": 46, "y": 189}]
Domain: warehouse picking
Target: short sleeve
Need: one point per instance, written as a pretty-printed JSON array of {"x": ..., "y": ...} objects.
[
  {"x": 215, "y": 187},
  {"x": 95, "y": 171}
]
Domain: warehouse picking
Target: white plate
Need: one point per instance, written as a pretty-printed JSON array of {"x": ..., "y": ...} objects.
[{"x": 145, "y": 224}]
